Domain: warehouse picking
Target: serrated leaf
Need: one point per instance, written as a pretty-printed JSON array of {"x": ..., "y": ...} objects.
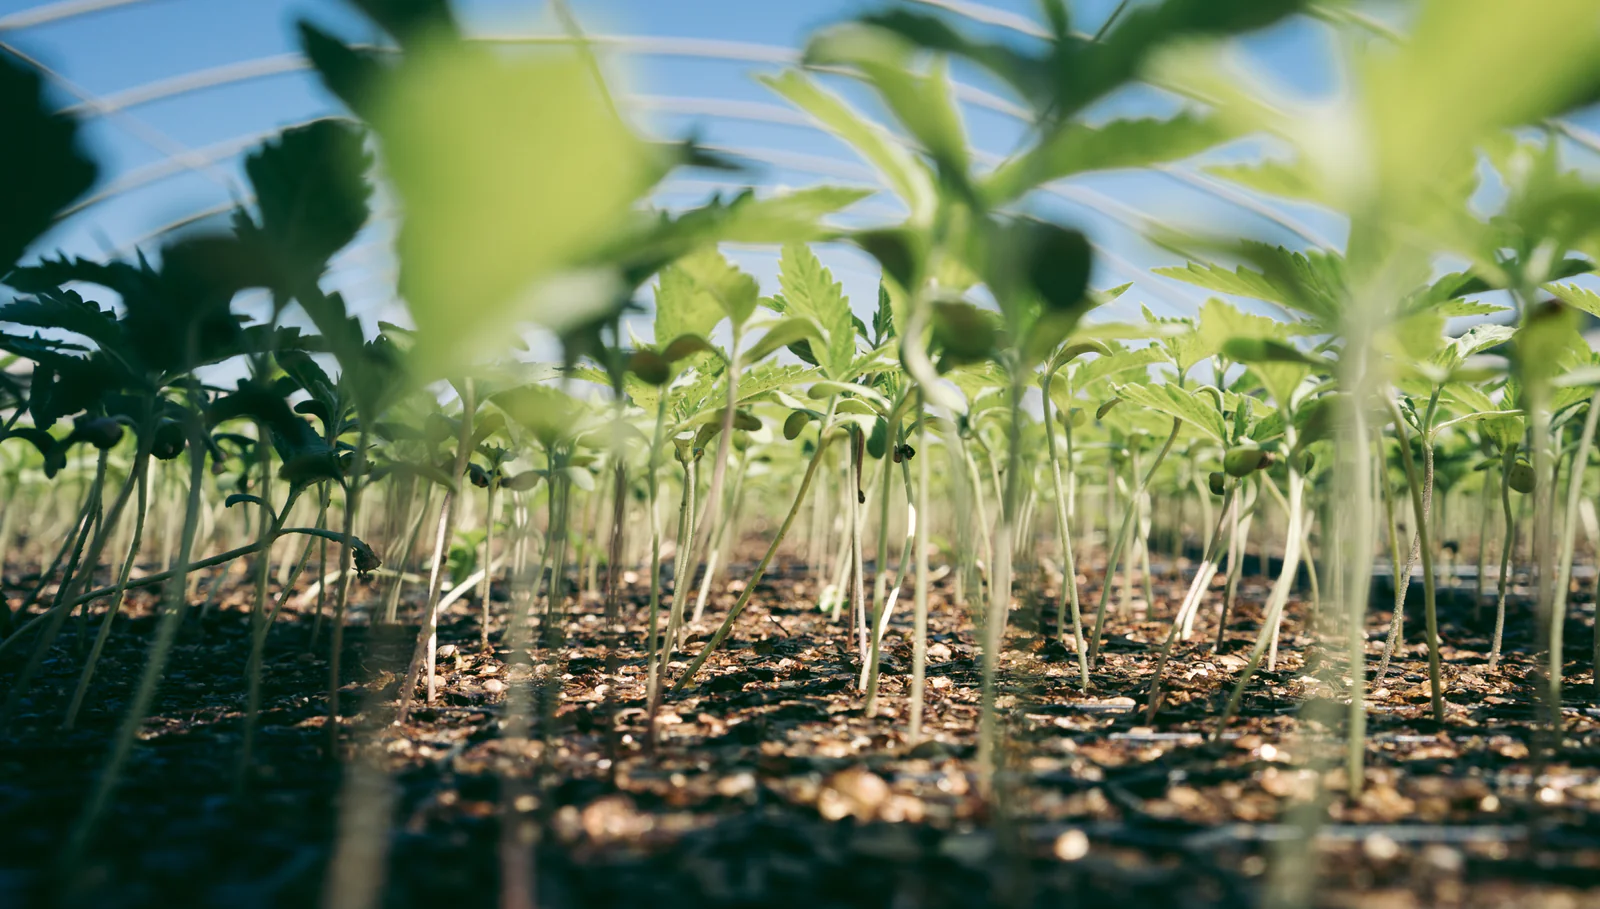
[
  {"x": 734, "y": 292},
  {"x": 768, "y": 377},
  {"x": 1456, "y": 309},
  {"x": 883, "y": 320},
  {"x": 311, "y": 194},
  {"x": 291, "y": 434},
  {"x": 810, "y": 291},
  {"x": 682, "y": 307},
  {"x": 1313, "y": 282},
  {"x": 1576, "y": 296},
  {"x": 1472, "y": 342},
  {"x": 1548, "y": 344},
  {"x": 1239, "y": 281},
  {"x": 350, "y": 73},
  {"x": 308, "y": 375},
  {"x": 1071, "y": 73},
  {"x": 67, "y": 311},
  {"x": 1221, "y": 322},
  {"x": 1087, "y": 375},
  {"x": 1199, "y": 412}
]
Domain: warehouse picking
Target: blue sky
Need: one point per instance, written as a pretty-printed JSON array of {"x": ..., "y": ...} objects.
[{"x": 145, "y": 42}]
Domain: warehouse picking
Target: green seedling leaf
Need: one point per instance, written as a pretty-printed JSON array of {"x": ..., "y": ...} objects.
[
  {"x": 883, "y": 318},
  {"x": 919, "y": 97},
  {"x": 1087, "y": 375},
  {"x": 650, "y": 366},
  {"x": 1268, "y": 350},
  {"x": 544, "y": 411},
  {"x": 826, "y": 389},
  {"x": 906, "y": 176},
  {"x": 685, "y": 346},
  {"x": 963, "y": 332},
  {"x": 67, "y": 311},
  {"x": 796, "y": 424},
  {"x": 485, "y": 425},
  {"x": 734, "y": 292},
  {"x": 313, "y": 466},
  {"x": 857, "y": 405},
  {"x": 1548, "y": 343},
  {"x": 1576, "y": 296},
  {"x": 581, "y": 478},
  {"x": 784, "y": 217},
  {"x": 899, "y": 251},
  {"x": 1179, "y": 404},
  {"x": 1076, "y": 148},
  {"x": 878, "y": 439},
  {"x": 783, "y": 333},
  {"x": 291, "y": 434},
  {"x": 510, "y": 170},
  {"x": 308, "y": 375},
  {"x": 682, "y": 308},
  {"x": 810, "y": 291},
  {"x": 1069, "y": 352},
  {"x": 525, "y": 481}
]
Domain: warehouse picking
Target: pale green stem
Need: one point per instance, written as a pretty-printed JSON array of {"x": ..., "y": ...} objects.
[
  {"x": 761, "y": 569},
  {"x": 1122, "y": 541},
  {"x": 1069, "y": 569},
  {"x": 1419, "y": 508}
]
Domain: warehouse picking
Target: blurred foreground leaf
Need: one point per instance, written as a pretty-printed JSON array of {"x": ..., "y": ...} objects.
[{"x": 509, "y": 172}]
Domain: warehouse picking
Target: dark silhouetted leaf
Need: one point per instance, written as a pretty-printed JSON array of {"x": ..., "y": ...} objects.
[
  {"x": 42, "y": 164},
  {"x": 311, "y": 195}
]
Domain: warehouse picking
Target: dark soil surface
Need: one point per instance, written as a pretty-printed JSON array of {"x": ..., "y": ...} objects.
[{"x": 768, "y": 785}]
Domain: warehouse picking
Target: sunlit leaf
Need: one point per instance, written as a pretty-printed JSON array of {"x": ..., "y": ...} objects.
[
  {"x": 908, "y": 177},
  {"x": 1576, "y": 296},
  {"x": 1274, "y": 178},
  {"x": 734, "y": 291},
  {"x": 509, "y": 170},
  {"x": 810, "y": 291},
  {"x": 1195, "y": 410},
  {"x": 1077, "y": 148},
  {"x": 682, "y": 307},
  {"x": 921, "y": 101},
  {"x": 779, "y": 335}
]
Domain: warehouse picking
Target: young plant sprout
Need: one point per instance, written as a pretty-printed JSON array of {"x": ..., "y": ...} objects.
[{"x": 651, "y": 490}]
